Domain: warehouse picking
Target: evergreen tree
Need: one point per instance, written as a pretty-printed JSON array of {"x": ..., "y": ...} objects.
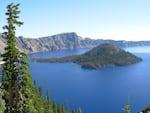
[
  {"x": 73, "y": 111},
  {"x": 79, "y": 110},
  {"x": 58, "y": 108},
  {"x": 16, "y": 81},
  {"x": 19, "y": 92},
  {"x": 47, "y": 104},
  {"x": 48, "y": 97},
  {"x": 54, "y": 106},
  {"x": 11, "y": 78},
  {"x": 127, "y": 107},
  {"x": 40, "y": 90},
  {"x": 62, "y": 108}
]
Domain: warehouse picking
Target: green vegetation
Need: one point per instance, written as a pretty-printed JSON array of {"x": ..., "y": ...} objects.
[
  {"x": 19, "y": 93},
  {"x": 1, "y": 107},
  {"x": 13, "y": 68},
  {"x": 127, "y": 107},
  {"x": 100, "y": 56},
  {"x": 146, "y": 109}
]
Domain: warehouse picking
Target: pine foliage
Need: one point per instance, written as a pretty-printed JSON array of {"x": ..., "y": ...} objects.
[
  {"x": 127, "y": 107},
  {"x": 19, "y": 93}
]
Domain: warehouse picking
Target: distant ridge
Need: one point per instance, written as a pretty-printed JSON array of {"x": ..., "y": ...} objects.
[
  {"x": 64, "y": 41},
  {"x": 100, "y": 56}
]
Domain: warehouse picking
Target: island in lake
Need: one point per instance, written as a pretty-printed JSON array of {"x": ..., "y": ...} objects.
[{"x": 100, "y": 56}]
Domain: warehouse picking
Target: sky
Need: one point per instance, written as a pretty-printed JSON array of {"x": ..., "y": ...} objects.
[{"x": 97, "y": 19}]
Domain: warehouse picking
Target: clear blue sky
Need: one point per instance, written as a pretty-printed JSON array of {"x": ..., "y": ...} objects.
[{"x": 103, "y": 19}]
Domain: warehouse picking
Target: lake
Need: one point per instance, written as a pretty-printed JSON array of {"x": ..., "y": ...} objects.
[{"x": 95, "y": 91}]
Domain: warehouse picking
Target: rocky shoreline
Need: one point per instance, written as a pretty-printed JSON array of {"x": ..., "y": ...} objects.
[{"x": 64, "y": 41}]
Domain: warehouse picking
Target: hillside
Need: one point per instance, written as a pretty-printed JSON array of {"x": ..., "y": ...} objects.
[
  {"x": 100, "y": 56},
  {"x": 64, "y": 41}
]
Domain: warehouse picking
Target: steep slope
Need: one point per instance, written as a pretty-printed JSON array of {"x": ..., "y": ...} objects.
[
  {"x": 108, "y": 55},
  {"x": 64, "y": 41},
  {"x": 55, "y": 42},
  {"x": 100, "y": 56},
  {"x": 2, "y": 43},
  {"x": 68, "y": 41}
]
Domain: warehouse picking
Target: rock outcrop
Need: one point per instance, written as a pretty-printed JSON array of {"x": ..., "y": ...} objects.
[
  {"x": 100, "y": 56},
  {"x": 2, "y": 43},
  {"x": 63, "y": 41}
]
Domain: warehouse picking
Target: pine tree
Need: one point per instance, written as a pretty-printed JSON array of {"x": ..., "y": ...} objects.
[
  {"x": 62, "y": 108},
  {"x": 58, "y": 108},
  {"x": 54, "y": 106},
  {"x": 40, "y": 90},
  {"x": 47, "y": 104},
  {"x": 18, "y": 89},
  {"x": 19, "y": 92},
  {"x": 10, "y": 80},
  {"x": 127, "y": 107},
  {"x": 79, "y": 110},
  {"x": 73, "y": 111}
]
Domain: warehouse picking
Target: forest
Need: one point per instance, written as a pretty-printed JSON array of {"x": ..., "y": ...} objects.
[{"x": 18, "y": 93}]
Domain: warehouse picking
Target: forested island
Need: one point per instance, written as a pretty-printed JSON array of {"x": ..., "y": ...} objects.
[
  {"x": 18, "y": 94},
  {"x": 100, "y": 56}
]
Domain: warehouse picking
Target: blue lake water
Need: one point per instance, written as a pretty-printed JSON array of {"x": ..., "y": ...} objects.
[{"x": 95, "y": 91}]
